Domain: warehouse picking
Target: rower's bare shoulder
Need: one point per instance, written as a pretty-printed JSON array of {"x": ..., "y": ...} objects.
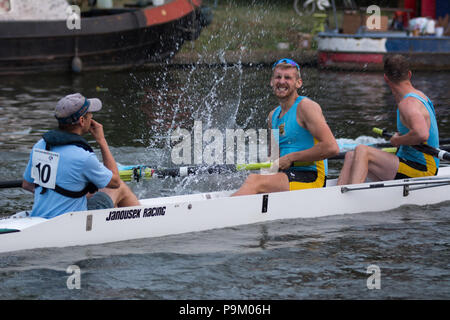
[
  {"x": 405, "y": 105},
  {"x": 308, "y": 106},
  {"x": 271, "y": 114}
]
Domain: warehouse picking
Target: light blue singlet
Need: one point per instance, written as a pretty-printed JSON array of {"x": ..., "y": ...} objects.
[
  {"x": 293, "y": 137},
  {"x": 409, "y": 153}
]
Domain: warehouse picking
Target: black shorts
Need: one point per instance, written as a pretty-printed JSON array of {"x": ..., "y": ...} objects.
[
  {"x": 411, "y": 169},
  {"x": 300, "y": 179}
]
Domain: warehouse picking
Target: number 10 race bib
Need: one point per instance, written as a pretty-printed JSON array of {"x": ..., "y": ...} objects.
[{"x": 44, "y": 168}]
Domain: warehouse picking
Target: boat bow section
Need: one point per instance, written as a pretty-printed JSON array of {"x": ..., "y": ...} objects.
[{"x": 14, "y": 224}]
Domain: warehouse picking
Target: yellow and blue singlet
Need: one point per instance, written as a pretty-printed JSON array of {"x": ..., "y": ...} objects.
[
  {"x": 292, "y": 138},
  {"x": 414, "y": 163}
]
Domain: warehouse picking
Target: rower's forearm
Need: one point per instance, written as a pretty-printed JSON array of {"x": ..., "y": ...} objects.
[
  {"x": 412, "y": 138},
  {"x": 318, "y": 152},
  {"x": 108, "y": 159}
]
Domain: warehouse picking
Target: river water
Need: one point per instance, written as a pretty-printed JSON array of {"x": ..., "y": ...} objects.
[{"x": 323, "y": 258}]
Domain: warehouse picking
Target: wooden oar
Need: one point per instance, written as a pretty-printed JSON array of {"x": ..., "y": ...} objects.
[{"x": 435, "y": 152}]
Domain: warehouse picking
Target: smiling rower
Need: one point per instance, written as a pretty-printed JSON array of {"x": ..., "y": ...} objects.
[{"x": 305, "y": 140}]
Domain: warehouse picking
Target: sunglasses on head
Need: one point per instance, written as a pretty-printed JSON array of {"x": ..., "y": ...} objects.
[{"x": 288, "y": 61}]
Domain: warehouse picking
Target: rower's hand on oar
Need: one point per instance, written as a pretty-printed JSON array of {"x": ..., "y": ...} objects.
[
  {"x": 394, "y": 140},
  {"x": 96, "y": 130},
  {"x": 284, "y": 162}
]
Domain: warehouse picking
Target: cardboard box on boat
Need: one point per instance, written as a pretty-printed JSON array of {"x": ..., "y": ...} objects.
[{"x": 353, "y": 20}]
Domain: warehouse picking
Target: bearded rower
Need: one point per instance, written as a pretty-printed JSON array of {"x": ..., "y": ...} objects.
[{"x": 305, "y": 140}]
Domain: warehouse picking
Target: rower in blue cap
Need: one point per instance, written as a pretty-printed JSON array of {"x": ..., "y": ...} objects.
[{"x": 64, "y": 173}]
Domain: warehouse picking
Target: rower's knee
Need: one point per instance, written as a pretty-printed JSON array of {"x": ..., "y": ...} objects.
[
  {"x": 252, "y": 178},
  {"x": 128, "y": 198},
  {"x": 263, "y": 183},
  {"x": 122, "y": 185},
  {"x": 349, "y": 155},
  {"x": 361, "y": 151},
  {"x": 119, "y": 190},
  {"x": 256, "y": 182},
  {"x": 122, "y": 196},
  {"x": 368, "y": 153},
  {"x": 361, "y": 148}
]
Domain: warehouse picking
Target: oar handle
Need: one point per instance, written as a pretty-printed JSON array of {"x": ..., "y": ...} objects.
[
  {"x": 11, "y": 184},
  {"x": 383, "y": 133},
  {"x": 435, "y": 152},
  {"x": 389, "y": 135}
]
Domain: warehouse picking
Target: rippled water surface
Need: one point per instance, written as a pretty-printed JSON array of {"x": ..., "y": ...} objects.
[{"x": 323, "y": 258}]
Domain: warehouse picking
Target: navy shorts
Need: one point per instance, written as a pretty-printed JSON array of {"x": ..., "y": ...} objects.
[{"x": 100, "y": 200}]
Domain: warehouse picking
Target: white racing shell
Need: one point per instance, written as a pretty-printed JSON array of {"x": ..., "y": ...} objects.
[{"x": 158, "y": 217}]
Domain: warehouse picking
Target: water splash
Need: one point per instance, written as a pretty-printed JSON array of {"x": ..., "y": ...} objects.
[{"x": 346, "y": 144}]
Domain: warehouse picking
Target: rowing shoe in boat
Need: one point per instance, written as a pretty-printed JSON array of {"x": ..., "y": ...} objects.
[{"x": 158, "y": 217}]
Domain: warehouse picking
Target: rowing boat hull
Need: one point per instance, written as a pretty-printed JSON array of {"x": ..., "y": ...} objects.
[{"x": 192, "y": 213}]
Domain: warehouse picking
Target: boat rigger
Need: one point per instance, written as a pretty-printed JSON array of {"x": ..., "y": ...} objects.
[{"x": 164, "y": 216}]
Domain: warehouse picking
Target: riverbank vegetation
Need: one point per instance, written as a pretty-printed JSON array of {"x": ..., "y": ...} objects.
[
  {"x": 251, "y": 25},
  {"x": 264, "y": 25}
]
